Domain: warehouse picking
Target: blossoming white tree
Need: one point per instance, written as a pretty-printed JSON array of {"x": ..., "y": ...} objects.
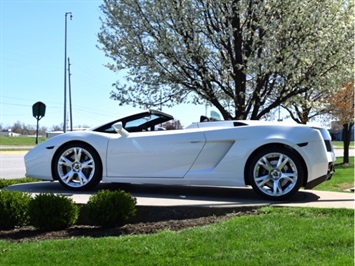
[{"x": 245, "y": 57}]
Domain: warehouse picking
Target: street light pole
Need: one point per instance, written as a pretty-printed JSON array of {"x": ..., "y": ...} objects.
[
  {"x": 65, "y": 72},
  {"x": 70, "y": 105}
]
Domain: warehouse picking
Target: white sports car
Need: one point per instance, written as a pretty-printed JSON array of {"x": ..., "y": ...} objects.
[{"x": 276, "y": 159}]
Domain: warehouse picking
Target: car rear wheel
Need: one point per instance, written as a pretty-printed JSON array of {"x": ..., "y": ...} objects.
[
  {"x": 275, "y": 173},
  {"x": 77, "y": 166}
]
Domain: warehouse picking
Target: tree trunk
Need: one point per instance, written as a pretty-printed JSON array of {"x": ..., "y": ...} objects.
[{"x": 346, "y": 134}]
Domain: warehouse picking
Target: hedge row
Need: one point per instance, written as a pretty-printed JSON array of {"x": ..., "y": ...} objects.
[{"x": 55, "y": 212}]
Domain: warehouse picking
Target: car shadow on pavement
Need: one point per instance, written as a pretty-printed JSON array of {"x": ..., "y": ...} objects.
[{"x": 209, "y": 196}]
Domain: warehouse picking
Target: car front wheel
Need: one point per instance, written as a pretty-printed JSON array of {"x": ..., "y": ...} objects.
[
  {"x": 77, "y": 166},
  {"x": 276, "y": 173}
]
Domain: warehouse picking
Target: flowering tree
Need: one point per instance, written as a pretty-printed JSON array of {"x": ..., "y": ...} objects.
[
  {"x": 245, "y": 57},
  {"x": 310, "y": 104},
  {"x": 341, "y": 106}
]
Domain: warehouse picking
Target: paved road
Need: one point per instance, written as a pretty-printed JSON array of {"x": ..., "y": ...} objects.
[{"x": 12, "y": 164}]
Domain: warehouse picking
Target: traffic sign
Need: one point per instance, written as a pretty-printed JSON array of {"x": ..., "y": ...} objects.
[{"x": 38, "y": 110}]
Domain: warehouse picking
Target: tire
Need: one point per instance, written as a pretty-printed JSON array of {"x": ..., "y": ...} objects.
[
  {"x": 77, "y": 166},
  {"x": 275, "y": 173}
]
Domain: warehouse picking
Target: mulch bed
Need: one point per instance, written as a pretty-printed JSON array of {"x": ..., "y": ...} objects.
[{"x": 148, "y": 220}]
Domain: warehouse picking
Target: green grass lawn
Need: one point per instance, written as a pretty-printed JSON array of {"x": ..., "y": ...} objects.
[
  {"x": 20, "y": 141},
  {"x": 277, "y": 236},
  {"x": 342, "y": 179}
]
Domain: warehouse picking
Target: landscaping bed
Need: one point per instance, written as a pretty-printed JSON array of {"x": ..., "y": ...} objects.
[{"x": 148, "y": 220}]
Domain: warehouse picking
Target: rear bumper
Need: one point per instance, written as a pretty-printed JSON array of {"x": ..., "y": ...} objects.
[{"x": 323, "y": 178}]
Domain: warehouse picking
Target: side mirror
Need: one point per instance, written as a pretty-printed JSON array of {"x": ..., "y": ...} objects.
[{"x": 118, "y": 127}]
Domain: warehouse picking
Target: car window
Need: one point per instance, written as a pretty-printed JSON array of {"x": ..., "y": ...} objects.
[
  {"x": 141, "y": 124},
  {"x": 138, "y": 122}
]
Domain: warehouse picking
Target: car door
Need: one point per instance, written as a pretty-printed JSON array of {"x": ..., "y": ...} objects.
[{"x": 153, "y": 154}]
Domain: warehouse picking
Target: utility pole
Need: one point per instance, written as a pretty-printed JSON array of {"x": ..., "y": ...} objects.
[
  {"x": 70, "y": 105},
  {"x": 65, "y": 72}
]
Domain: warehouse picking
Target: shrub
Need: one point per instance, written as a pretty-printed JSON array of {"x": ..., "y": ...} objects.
[
  {"x": 111, "y": 208},
  {"x": 13, "y": 208},
  {"x": 53, "y": 212}
]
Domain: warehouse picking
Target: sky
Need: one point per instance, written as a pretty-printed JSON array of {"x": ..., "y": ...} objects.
[{"x": 32, "y": 38}]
